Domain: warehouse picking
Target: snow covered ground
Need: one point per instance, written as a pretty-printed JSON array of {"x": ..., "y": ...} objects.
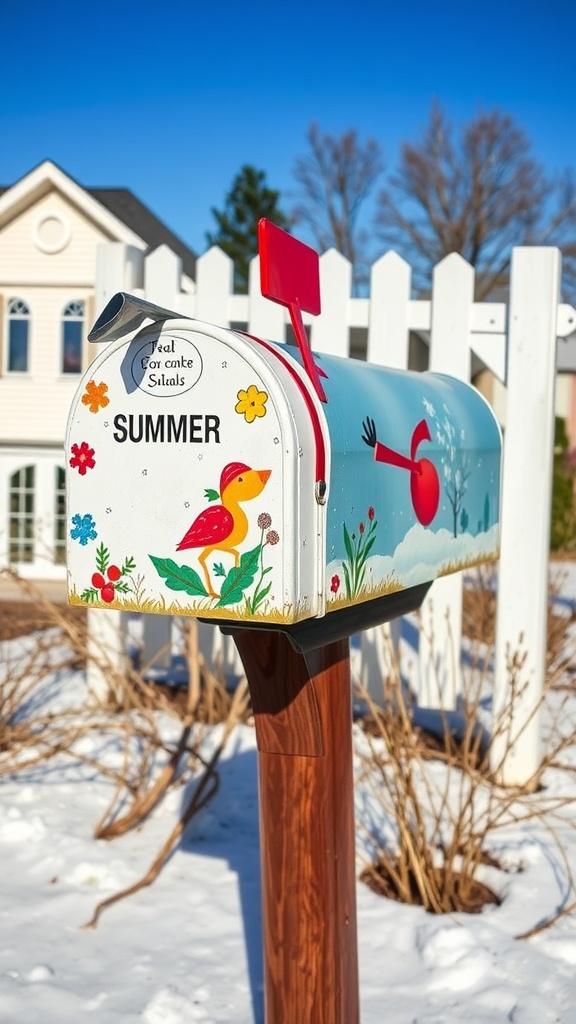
[{"x": 189, "y": 947}]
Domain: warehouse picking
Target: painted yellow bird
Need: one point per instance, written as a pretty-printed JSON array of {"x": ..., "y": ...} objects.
[{"x": 223, "y": 527}]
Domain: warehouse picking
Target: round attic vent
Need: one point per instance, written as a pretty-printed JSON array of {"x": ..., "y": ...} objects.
[{"x": 51, "y": 233}]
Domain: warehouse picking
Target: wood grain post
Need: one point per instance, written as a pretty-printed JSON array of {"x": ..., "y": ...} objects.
[{"x": 302, "y": 709}]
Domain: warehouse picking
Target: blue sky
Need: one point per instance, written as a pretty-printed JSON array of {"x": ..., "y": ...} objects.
[{"x": 170, "y": 100}]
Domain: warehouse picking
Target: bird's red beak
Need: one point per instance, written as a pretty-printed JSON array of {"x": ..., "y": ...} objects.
[{"x": 264, "y": 474}]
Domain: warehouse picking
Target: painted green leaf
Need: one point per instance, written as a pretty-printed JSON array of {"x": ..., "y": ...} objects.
[
  {"x": 210, "y": 494},
  {"x": 367, "y": 549},
  {"x": 259, "y": 597},
  {"x": 239, "y": 578},
  {"x": 89, "y": 595},
  {"x": 219, "y": 569},
  {"x": 347, "y": 582},
  {"x": 102, "y": 557},
  {"x": 179, "y": 577},
  {"x": 348, "y": 544}
]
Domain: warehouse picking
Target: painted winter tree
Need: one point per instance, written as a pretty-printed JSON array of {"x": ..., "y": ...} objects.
[{"x": 456, "y": 467}]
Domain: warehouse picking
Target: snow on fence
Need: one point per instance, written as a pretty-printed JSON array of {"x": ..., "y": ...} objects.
[{"x": 516, "y": 342}]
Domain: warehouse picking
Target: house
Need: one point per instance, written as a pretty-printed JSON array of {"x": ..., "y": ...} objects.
[{"x": 51, "y": 228}]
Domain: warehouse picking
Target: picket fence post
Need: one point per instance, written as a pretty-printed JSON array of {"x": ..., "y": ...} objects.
[
  {"x": 105, "y": 651},
  {"x": 388, "y": 338},
  {"x": 521, "y": 626},
  {"x": 441, "y": 612},
  {"x": 330, "y": 330}
]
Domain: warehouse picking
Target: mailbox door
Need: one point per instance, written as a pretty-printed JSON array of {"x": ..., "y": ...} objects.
[{"x": 191, "y": 484}]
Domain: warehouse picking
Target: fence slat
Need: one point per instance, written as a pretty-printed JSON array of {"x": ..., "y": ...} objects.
[
  {"x": 388, "y": 336},
  {"x": 265, "y": 319},
  {"x": 162, "y": 275},
  {"x": 330, "y": 329},
  {"x": 390, "y": 282},
  {"x": 441, "y": 633},
  {"x": 214, "y": 277},
  {"x": 526, "y": 508}
]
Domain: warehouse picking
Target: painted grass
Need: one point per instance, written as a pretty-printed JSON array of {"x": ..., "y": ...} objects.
[
  {"x": 391, "y": 585},
  {"x": 203, "y": 608}
]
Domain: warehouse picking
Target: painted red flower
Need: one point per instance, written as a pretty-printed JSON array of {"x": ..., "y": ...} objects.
[
  {"x": 361, "y": 527},
  {"x": 370, "y": 513},
  {"x": 335, "y": 584},
  {"x": 82, "y": 458},
  {"x": 106, "y": 587}
]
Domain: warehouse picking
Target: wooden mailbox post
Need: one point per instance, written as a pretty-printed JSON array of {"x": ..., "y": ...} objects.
[{"x": 293, "y": 501}]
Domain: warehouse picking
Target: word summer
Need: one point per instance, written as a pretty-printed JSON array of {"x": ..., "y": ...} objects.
[{"x": 194, "y": 429}]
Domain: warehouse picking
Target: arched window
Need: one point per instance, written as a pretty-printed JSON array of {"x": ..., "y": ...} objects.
[
  {"x": 18, "y": 336},
  {"x": 72, "y": 332},
  {"x": 21, "y": 515}
]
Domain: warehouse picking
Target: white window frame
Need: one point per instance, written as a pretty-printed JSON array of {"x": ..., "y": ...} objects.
[
  {"x": 73, "y": 312},
  {"x": 22, "y": 542},
  {"x": 12, "y": 315}
]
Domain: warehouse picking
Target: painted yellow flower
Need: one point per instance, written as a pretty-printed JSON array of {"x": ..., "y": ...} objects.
[
  {"x": 251, "y": 403},
  {"x": 95, "y": 396}
]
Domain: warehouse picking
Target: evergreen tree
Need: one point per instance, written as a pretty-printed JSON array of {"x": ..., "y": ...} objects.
[
  {"x": 563, "y": 525},
  {"x": 248, "y": 200}
]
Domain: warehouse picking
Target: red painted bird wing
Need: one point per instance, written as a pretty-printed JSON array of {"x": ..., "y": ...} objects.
[{"x": 213, "y": 525}]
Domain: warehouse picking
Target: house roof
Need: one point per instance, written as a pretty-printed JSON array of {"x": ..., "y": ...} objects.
[
  {"x": 128, "y": 208},
  {"x": 115, "y": 204}
]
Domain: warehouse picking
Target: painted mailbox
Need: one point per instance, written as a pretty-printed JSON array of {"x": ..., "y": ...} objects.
[{"x": 211, "y": 475}]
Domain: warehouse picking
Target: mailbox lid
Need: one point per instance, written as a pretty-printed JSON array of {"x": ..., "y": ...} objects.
[
  {"x": 191, "y": 484},
  {"x": 389, "y": 527}
]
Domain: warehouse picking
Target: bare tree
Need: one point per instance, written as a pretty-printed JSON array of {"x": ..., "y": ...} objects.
[
  {"x": 336, "y": 178},
  {"x": 478, "y": 196}
]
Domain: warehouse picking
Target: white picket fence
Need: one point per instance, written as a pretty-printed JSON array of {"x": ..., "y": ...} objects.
[{"x": 517, "y": 342}]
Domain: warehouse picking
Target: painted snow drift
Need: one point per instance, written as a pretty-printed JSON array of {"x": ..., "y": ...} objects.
[{"x": 205, "y": 477}]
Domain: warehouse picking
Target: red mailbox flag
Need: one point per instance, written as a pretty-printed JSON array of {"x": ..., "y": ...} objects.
[{"x": 290, "y": 275}]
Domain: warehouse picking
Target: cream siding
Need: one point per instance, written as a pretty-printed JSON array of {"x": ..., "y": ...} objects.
[
  {"x": 45, "y": 212},
  {"x": 34, "y": 406},
  {"x": 23, "y": 262}
]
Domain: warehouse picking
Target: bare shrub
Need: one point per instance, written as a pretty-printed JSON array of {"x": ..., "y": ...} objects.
[
  {"x": 129, "y": 714},
  {"x": 430, "y": 811}
]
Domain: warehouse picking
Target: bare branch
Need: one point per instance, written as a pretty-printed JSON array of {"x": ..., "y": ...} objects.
[
  {"x": 479, "y": 195},
  {"x": 336, "y": 178}
]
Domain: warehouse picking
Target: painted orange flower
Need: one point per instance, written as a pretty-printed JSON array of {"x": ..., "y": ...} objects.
[
  {"x": 95, "y": 396},
  {"x": 251, "y": 403}
]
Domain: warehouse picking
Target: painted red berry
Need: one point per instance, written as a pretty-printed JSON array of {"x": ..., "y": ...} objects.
[
  {"x": 113, "y": 573},
  {"x": 98, "y": 580},
  {"x": 107, "y": 593}
]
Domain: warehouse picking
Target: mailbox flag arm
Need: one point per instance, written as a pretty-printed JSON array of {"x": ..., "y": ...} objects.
[
  {"x": 290, "y": 275},
  {"x": 125, "y": 313}
]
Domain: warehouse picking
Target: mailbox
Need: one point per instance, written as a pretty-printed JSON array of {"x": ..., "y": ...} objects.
[{"x": 208, "y": 477}]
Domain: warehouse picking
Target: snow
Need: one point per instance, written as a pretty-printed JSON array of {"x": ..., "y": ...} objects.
[{"x": 188, "y": 948}]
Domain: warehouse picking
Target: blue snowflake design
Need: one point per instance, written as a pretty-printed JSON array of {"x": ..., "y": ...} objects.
[{"x": 84, "y": 528}]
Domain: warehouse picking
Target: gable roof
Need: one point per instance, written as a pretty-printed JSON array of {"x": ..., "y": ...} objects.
[
  {"x": 128, "y": 208},
  {"x": 123, "y": 214}
]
